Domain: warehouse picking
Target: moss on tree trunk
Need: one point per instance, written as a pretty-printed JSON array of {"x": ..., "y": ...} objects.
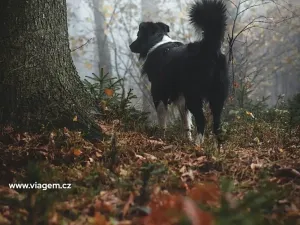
[{"x": 39, "y": 83}]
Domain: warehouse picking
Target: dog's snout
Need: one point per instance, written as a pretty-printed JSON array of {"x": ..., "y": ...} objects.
[
  {"x": 130, "y": 46},
  {"x": 134, "y": 47}
]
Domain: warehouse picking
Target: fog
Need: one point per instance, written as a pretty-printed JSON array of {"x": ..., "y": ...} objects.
[{"x": 264, "y": 61}]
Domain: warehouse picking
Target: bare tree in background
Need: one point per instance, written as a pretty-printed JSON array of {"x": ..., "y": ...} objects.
[
  {"x": 102, "y": 43},
  {"x": 149, "y": 11},
  {"x": 262, "y": 50}
]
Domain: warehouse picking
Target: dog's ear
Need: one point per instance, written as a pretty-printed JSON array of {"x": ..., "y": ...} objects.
[{"x": 164, "y": 27}]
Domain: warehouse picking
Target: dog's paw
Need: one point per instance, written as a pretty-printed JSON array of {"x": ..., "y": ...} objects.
[
  {"x": 189, "y": 135},
  {"x": 199, "y": 140}
]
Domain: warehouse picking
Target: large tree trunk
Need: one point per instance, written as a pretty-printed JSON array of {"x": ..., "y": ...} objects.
[{"x": 39, "y": 83}]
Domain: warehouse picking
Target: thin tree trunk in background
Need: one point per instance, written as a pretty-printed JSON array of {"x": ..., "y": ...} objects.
[
  {"x": 231, "y": 13},
  {"x": 39, "y": 83},
  {"x": 149, "y": 11},
  {"x": 102, "y": 42}
]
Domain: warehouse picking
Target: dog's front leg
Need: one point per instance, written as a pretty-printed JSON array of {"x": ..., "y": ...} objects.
[{"x": 162, "y": 110}]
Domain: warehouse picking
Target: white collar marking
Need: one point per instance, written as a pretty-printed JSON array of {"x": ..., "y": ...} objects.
[{"x": 166, "y": 39}]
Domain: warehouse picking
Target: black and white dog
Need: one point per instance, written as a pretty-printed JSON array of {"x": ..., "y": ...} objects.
[{"x": 187, "y": 74}]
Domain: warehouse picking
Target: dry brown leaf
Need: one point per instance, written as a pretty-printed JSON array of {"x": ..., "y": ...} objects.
[
  {"x": 195, "y": 214},
  {"x": 8, "y": 192},
  {"x": 125, "y": 222},
  {"x": 100, "y": 219},
  {"x": 255, "y": 166},
  {"x": 183, "y": 169},
  {"x": 188, "y": 174},
  {"x": 66, "y": 132},
  {"x": 4, "y": 220},
  {"x": 149, "y": 156},
  {"x": 109, "y": 92},
  {"x": 192, "y": 211},
  {"x": 123, "y": 172},
  {"x": 140, "y": 157},
  {"x": 155, "y": 142},
  {"x": 54, "y": 219},
  {"x": 128, "y": 203},
  {"x": 105, "y": 128},
  {"x": 98, "y": 154},
  {"x": 205, "y": 194},
  {"x": 167, "y": 147},
  {"x": 77, "y": 152},
  {"x": 201, "y": 159}
]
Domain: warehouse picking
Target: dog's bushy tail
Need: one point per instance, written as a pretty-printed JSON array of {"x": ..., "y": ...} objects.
[{"x": 209, "y": 17}]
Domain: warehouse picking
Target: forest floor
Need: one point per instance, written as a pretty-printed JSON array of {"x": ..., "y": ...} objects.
[{"x": 135, "y": 178}]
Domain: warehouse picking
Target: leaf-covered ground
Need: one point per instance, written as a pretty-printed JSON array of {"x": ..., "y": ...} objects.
[{"x": 136, "y": 178}]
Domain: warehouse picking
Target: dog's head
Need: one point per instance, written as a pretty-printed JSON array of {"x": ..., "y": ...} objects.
[{"x": 148, "y": 35}]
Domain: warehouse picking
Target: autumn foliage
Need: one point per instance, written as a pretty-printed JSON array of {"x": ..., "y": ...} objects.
[{"x": 169, "y": 209}]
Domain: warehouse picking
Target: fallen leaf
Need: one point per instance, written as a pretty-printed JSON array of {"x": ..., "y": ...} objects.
[
  {"x": 125, "y": 222},
  {"x": 255, "y": 166},
  {"x": 128, "y": 203},
  {"x": 8, "y": 192},
  {"x": 155, "y": 142},
  {"x": 195, "y": 214},
  {"x": 4, "y": 221},
  {"x": 188, "y": 174},
  {"x": 77, "y": 152},
  {"x": 149, "y": 156},
  {"x": 66, "y": 132},
  {"x": 183, "y": 169},
  {"x": 256, "y": 139},
  {"x": 201, "y": 159},
  {"x": 139, "y": 156},
  {"x": 206, "y": 194},
  {"x": 250, "y": 114},
  {"x": 192, "y": 211},
  {"x": 109, "y": 92},
  {"x": 100, "y": 219},
  {"x": 98, "y": 154},
  {"x": 167, "y": 147},
  {"x": 123, "y": 172},
  {"x": 54, "y": 218}
]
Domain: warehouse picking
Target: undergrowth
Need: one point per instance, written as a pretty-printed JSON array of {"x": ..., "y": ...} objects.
[{"x": 138, "y": 177}]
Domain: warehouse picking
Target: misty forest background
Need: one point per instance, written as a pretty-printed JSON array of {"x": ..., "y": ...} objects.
[
  {"x": 263, "y": 35},
  {"x": 75, "y": 109}
]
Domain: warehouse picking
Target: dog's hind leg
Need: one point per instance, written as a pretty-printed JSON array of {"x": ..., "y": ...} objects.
[
  {"x": 196, "y": 108},
  {"x": 216, "y": 106},
  {"x": 185, "y": 115}
]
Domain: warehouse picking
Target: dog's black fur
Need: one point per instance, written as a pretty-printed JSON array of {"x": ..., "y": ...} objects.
[{"x": 198, "y": 71}]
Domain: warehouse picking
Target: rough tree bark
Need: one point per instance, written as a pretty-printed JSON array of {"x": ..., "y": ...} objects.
[{"x": 39, "y": 84}]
